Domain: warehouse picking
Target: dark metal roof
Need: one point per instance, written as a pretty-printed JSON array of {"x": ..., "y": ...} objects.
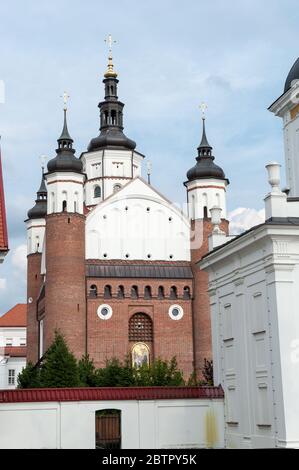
[
  {"x": 205, "y": 166},
  {"x": 139, "y": 271},
  {"x": 292, "y": 75},
  {"x": 115, "y": 393}
]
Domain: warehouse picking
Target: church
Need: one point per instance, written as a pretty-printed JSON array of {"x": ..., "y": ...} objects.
[{"x": 112, "y": 263}]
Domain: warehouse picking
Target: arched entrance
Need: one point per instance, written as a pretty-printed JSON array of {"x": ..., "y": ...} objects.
[{"x": 108, "y": 429}]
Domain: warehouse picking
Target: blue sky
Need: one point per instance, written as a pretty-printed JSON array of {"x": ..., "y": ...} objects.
[{"x": 170, "y": 56}]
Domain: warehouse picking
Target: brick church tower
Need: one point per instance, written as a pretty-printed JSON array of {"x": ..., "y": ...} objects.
[
  {"x": 65, "y": 300},
  {"x": 110, "y": 262},
  {"x": 206, "y": 188},
  {"x": 35, "y": 225}
]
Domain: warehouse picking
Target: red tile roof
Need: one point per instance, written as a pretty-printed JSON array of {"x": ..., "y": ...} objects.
[
  {"x": 15, "y": 351},
  {"x": 3, "y": 225},
  {"x": 16, "y": 316},
  {"x": 115, "y": 393}
]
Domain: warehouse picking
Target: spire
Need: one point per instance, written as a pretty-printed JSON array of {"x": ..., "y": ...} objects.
[
  {"x": 111, "y": 113},
  {"x": 204, "y": 147},
  {"x": 65, "y": 159},
  {"x": 110, "y": 73},
  {"x": 39, "y": 211},
  {"x": 205, "y": 166}
]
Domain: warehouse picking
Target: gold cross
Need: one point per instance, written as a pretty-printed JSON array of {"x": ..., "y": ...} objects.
[
  {"x": 203, "y": 106},
  {"x": 109, "y": 40},
  {"x": 65, "y": 98}
]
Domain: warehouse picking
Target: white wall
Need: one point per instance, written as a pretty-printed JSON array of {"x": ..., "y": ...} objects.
[
  {"x": 107, "y": 168},
  {"x": 206, "y": 192},
  {"x": 146, "y": 424},
  {"x": 65, "y": 186},
  {"x": 35, "y": 235},
  {"x": 253, "y": 285},
  {"x": 139, "y": 222}
]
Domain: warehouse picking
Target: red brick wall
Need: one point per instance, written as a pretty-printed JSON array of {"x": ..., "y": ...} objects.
[
  {"x": 201, "y": 301},
  {"x": 109, "y": 338},
  {"x": 65, "y": 301},
  {"x": 34, "y": 282}
]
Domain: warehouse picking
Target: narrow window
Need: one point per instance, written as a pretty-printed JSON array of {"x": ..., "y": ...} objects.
[
  {"x": 173, "y": 292},
  {"x": 93, "y": 291},
  {"x": 147, "y": 292},
  {"x": 107, "y": 292},
  {"x": 97, "y": 191},
  {"x": 186, "y": 294},
  {"x": 134, "y": 292},
  {"x": 160, "y": 292},
  {"x": 120, "y": 292}
]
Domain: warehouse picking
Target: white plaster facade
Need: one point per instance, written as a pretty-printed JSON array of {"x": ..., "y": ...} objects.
[
  {"x": 64, "y": 188},
  {"x": 108, "y": 169},
  {"x": 145, "y": 424},
  {"x": 35, "y": 235},
  {"x": 137, "y": 223},
  {"x": 11, "y": 337},
  {"x": 253, "y": 286},
  {"x": 203, "y": 194},
  {"x": 287, "y": 107}
]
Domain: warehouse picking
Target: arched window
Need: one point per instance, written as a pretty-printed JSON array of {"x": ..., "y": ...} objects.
[
  {"x": 64, "y": 206},
  {"x": 97, "y": 191},
  {"x": 134, "y": 292},
  {"x": 120, "y": 292},
  {"x": 140, "y": 328},
  {"x": 107, "y": 292},
  {"x": 93, "y": 291},
  {"x": 160, "y": 292},
  {"x": 186, "y": 294},
  {"x": 218, "y": 199},
  {"x": 147, "y": 292},
  {"x": 205, "y": 212},
  {"x": 173, "y": 293}
]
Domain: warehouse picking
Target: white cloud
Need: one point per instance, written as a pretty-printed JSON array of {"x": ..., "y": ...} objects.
[
  {"x": 19, "y": 258},
  {"x": 2, "y": 284},
  {"x": 243, "y": 218}
]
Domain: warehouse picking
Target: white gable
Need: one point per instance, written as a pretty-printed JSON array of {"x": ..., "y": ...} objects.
[{"x": 137, "y": 222}]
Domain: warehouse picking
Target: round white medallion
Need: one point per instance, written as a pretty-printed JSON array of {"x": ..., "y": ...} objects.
[
  {"x": 175, "y": 312},
  {"x": 104, "y": 312}
]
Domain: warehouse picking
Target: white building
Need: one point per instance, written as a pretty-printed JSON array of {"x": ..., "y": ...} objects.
[
  {"x": 253, "y": 287},
  {"x": 12, "y": 345}
]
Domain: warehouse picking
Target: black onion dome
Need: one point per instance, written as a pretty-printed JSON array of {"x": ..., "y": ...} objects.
[
  {"x": 205, "y": 166},
  {"x": 292, "y": 75},
  {"x": 111, "y": 118},
  {"x": 39, "y": 211},
  {"x": 65, "y": 159},
  {"x": 111, "y": 138}
]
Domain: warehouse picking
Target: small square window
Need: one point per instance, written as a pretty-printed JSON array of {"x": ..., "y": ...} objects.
[{"x": 8, "y": 342}]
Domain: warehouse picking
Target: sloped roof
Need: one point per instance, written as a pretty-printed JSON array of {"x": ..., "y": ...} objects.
[
  {"x": 3, "y": 226},
  {"x": 16, "y": 316},
  {"x": 15, "y": 351}
]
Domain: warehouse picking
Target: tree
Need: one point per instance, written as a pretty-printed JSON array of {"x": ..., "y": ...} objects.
[
  {"x": 115, "y": 374},
  {"x": 87, "y": 372},
  {"x": 59, "y": 367},
  {"x": 29, "y": 377},
  {"x": 208, "y": 372}
]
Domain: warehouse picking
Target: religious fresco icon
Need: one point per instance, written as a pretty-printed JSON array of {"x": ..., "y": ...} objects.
[{"x": 140, "y": 355}]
